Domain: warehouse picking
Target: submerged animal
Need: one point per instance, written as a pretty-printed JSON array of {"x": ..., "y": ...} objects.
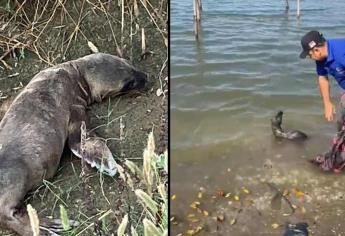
[
  {"x": 278, "y": 132},
  {"x": 48, "y": 113}
]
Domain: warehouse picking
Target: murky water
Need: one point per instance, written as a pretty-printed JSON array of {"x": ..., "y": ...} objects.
[{"x": 224, "y": 90}]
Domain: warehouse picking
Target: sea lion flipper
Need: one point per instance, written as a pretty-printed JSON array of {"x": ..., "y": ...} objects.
[
  {"x": 97, "y": 154},
  {"x": 95, "y": 151}
]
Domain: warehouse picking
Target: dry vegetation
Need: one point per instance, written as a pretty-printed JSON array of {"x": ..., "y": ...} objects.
[{"x": 49, "y": 28}]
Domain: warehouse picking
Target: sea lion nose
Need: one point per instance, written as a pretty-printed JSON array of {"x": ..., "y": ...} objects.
[{"x": 140, "y": 80}]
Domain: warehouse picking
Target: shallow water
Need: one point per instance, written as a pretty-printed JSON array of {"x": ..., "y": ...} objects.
[{"x": 224, "y": 90}]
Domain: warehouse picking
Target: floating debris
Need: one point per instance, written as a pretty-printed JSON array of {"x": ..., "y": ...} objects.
[
  {"x": 220, "y": 193},
  {"x": 194, "y": 220},
  {"x": 298, "y": 193},
  {"x": 200, "y": 195},
  {"x": 220, "y": 218},
  {"x": 173, "y": 197},
  {"x": 194, "y": 231},
  {"x": 195, "y": 205},
  {"x": 233, "y": 221},
  {"x": 245, "y": 190},
  {"x": 173, "y": 220},
  {"x": 275, "y": 225}
]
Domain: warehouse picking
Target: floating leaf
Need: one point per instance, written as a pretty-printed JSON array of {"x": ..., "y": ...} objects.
[
  {"x": 205, "y": 213},
  {"x": 194, "y": 220},
  {"x": 233, "y": 221},
  {"x": 194, "y": 231},
  {"x": 173, "y": 197},
  {"x": 195, "y": 205},
  {"x": 275, "y": 225},
  {"x": 220, "y": 218},
  {"x": 220, "y": 193},
  {"x": 191, "y": 232},
  {"x": 245, "y": 190},
  {"x": 298, "y": 193},
  {"x": 200, "y": 195},
  {"x": 237, "y": 198}
]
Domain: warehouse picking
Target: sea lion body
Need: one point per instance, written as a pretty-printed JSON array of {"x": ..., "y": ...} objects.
[
  {"x": 278, "y": 132},
  {"x": 49, "y": 111}
]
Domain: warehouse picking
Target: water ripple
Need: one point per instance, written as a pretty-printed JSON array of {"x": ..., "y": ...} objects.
[{"x": 245, "y": 67}]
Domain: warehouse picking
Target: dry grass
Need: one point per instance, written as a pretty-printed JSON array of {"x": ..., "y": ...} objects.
[
  {"x": 26, "y": 26},
  {"x": 153, "y": 193}
]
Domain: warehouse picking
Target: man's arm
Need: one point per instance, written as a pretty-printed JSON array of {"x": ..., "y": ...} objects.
[{"x": 328, "y": 105}]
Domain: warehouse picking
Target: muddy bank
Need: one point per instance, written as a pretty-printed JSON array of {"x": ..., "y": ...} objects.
[{"x": 226, "y": 190}]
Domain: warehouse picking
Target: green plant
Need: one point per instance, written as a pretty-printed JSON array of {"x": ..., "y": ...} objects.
[{"x": 153, "y": 195}]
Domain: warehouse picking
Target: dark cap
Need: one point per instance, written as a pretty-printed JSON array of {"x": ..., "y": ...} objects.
[{"x": 309, "y": 41}]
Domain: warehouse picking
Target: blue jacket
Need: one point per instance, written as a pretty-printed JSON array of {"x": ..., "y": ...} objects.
[{"x": 335, "y": 62}]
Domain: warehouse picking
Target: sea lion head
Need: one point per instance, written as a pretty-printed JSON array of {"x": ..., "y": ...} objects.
[{"x": 109, "y": 75}]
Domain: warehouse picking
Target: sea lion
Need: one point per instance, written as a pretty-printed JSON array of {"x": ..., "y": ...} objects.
[
  {"x": 44, "y": 116},
  {"x": 278, "y": 132}
]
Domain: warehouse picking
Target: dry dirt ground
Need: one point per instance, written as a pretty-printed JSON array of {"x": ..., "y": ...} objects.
[{"x": 61, "y": 33}]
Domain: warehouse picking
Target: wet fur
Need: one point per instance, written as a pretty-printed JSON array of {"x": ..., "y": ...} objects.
[
  {"x": 278, "y": 132},
  {"x": 46, "y": 113}
]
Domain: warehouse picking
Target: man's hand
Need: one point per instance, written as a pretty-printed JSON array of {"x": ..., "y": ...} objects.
[{"x": 329, "y": 111}]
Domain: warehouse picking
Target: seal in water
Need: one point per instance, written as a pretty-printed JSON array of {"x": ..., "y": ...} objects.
[
  {"x": 278, "y": 132},
  {"x": 49, "y": 111}
]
